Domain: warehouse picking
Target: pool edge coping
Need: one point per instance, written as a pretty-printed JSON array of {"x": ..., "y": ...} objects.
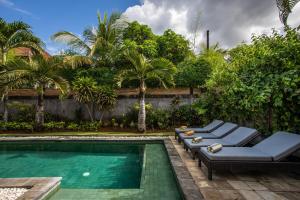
[
  {"x": 185, "y": 180},
  {"x": 38, "y": 188}
]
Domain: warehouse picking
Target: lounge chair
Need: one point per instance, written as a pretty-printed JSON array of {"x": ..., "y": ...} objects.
[
  {"x": 206, "y": 129},
  {"x": 239, "y": 137},
  {"x": 220, "y": 132},
  {"x": 273, "y": 152}
]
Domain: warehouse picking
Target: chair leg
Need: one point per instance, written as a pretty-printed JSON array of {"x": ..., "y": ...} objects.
[
  {"x": 193, "y": 155},
  {"x": 185, "y": 147},
  {"x": 175, "y": 136},
  {"x": 199, "y": 163},
  {"x": 179, "y": 140},
  {"x": 209, "y": 173}
]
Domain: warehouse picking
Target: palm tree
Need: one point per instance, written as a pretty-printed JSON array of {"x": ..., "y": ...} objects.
[
  {"x": 97, "y": 41},
  {"x": 40, "y": 73},
  {"x": 84, "y": 89},
  {"x": 142, "y": 69},
  {"x": 14, "y": 35},
  {"x": 285, "y": 8}
]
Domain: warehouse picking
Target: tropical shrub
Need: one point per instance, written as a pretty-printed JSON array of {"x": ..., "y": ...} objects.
[
  {"x": 186, "y": 114},
  {"x": 158, "y": 119},
  {"x": 54, "y": 126},
  {"x": 16, "y": 126},
  {"x": 22, "y": 112},
  {"x": 260, "y": 84}
]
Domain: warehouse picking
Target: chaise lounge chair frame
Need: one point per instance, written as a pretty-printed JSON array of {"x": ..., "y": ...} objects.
[
  {"x": 220, "y": 132},
  {"x": 284, "y": 164},
  {"x": 207, "y": 129},
  {"x": 239, "y": 137}
]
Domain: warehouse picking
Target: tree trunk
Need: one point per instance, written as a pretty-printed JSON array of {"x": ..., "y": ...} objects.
[
  {"x": 5, "y": 111},
  {"x": 191, "y": 95},
  {"x": 90, "y": 112},
  {"x": 39, "y": 117},
  {"x": 5, "y": 95},
  {"x": 142, "y": 111},
  {"x": 4, "y": 56}
]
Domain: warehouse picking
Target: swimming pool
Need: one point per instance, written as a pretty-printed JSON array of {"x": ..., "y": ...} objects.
[{"x": 94, "y": 169}]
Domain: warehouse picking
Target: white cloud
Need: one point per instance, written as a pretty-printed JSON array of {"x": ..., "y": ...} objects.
[
  {"x": 11, "y": 5},
  {"x": 230, "y": 22}
]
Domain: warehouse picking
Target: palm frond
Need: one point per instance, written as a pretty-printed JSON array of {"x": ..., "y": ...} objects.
[
  {"x": 285, "y": 8},
  {"x": 90, "y": 35},
  {"x": 72, "y": 40},
  {"x": 77, "y": 61}
]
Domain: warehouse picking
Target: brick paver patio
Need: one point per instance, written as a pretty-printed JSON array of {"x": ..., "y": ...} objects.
[{"x": 242, "y": 185}]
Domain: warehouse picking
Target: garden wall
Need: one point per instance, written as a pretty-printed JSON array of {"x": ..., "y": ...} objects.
[{"x": 68, "y": 108}]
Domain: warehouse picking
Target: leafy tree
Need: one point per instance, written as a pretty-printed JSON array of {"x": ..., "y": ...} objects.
[
  {"x": 13, "y": 35},
  {"x": 142, "y": 69},
  {"x": 149, "y": 48},
  {"x": 173, "y": 47},
  {"x": 192, "y": 73},
  {"x": 40, "y": 73},
  {"x": 140, "y": 37},
  {"x": 260, "y": 85},
  {"x": 138, "y": 33},
  {"x": 285, "y": 8},
  {"x": 102, "y": 75},
  {"x": 97, "y": 43}
]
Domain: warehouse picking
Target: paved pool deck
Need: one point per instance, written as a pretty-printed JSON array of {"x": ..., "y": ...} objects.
[{"x": 226, "y": 185}]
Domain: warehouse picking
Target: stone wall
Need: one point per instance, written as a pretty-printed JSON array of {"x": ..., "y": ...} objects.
[{"x": 68, "y": 107}]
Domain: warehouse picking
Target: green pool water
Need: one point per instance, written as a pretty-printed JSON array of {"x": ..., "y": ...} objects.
[
  {"x": 94, "y": 170},
  {"x": 81, "y": 164}
]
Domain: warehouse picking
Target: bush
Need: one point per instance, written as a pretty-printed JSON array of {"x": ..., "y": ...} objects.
[
  {"x": 159, "y": 118},
  {"x": 16, "y": 126},
  {"x": 22, "y": 112},
  {"x": 186, "y": 114},
  {"x": 73, "y": 126},
  {"x": 54, "y": 126},
  {"x": 89, "y": 126}
]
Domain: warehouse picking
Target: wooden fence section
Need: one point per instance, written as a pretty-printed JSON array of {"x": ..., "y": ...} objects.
[{"x": 120, "y": 92}]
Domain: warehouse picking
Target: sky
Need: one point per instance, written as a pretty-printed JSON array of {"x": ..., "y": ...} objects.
[{"x": 230, "y": 21}]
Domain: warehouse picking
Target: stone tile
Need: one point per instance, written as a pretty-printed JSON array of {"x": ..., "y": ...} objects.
[
  {"x": 220, "y": 184},
  {"x": 231, "y": 195},
  {"x": 280, "y": 186},
  {"x": 290, "y": 195},
  {"x": 250, "y": 195},
  {"x": 246, "y": 177},
  {"x": 205, "y": 184},
  {"x": 255, "y": 185},
  {"x": 267, "y": 195},
  {"x": 239, "y": 185},
  {"x": 295, "y": 185},
  {"x": 211, "y": 194}
]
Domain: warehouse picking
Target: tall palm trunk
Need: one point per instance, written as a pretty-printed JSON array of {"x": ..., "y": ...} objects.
[
  {"x": 39, "y": 117},
  {"x": 5, "y": 107},
  {"x": 5, "y": 95},
  {"x": 142, "y": 111}
]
